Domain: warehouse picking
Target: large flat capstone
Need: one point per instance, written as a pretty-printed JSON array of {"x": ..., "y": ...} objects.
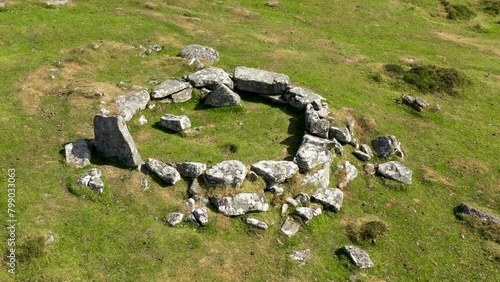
[
  {"x": 240, "y": 204},
  {"x": 260, "y": 81},
  {"x": 112, "y": 139},
  {"x": 225, "y": 174}
]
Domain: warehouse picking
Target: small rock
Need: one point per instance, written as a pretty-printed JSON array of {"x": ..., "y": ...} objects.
[
  {"x": 201, "y": 216},
  {"x": 387, "y": 145},
  {"x": 306, "y": 213},
  {"x": 142, "y": 120},
  {"x": 359, "y": 257},
  {"x": 273, "y": 4},
  {"x": 164, "y": 171},
  {"x": 467, "y": 209},
  {"x": 278, "y": 190},
  {"x": 191, "y": 169},
  {"x": 396, "y": 171},
  {"x": 303, "y": 199},
  {"x": 195, "y": 63},
  {"x": 92, "y": 179},
  {"x": 222, "y": 96},
  {"x": 362, "y": 156},
  {"x": 347, "y": 172},
  {"x": 414, "y": 102},
  {"x": 78, "y": 153},
  {"x": 195, "y": 51},
  {"x": 341, "y": 134},
  {"x": 284, "y": 209},
  {"x": 226, "y": 174},
  {"x": 292, "y": 201},
  {"x": 290, "y": 227},
  {"x": 302, "y": 255},
  {"x": 256, "y": 223},
  {"x": 57, "y": 2},
  {"x": 156, "y": 48},
  {"x": 330, "y": 198},
  {"x": 370, "y": 169},
  {"x": 299, "y": 97},
  {"x": 174, "y": 218},
  {"x": 131, "y": 103},
  {"x": 175, "y": 123},
  {"x": 252, "y": 176}
]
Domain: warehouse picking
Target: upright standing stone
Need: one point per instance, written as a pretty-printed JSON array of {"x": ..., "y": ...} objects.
[{"x": 112, "y": 139}]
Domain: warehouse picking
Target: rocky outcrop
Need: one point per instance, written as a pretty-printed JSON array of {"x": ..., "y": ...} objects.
[
  {"x": 92, "y": 179},
  {"x": 414, "y": 102},
  {"x": 386, "y": 146},
  {"x": 467, "y": 209},
  {"x": 290, "y": 227},
  {"x": 112, "y": 139},
  {"x": 78, "y": 153},
  {"x": 309, "y": 156},
  {"x": 131, "y": 103},
  {"x": 396, "y": 171},
  {"x": 222, "y": 96},
  {"x": 190, "y": 169},
  {"x": 210, "y": 77},
  {"x": 275, "y": 172},
  {"x": 174, "y": 218},
  {"x": 299, "y": 97},
  {"x": 175, "y": 123},
  {"x": 225, "y": 174},
  {"x": 360, "y": 257},
  {"x": 330, "y": 198},
  {"x": 316, "y": 124},
  {"x": 260, "y": 81},
  {"x": 164, "y": 171},
  {"x": 240, "y": 204},
  {"x": 195, "y": 51},
  {"x": 256, "y": 223}
]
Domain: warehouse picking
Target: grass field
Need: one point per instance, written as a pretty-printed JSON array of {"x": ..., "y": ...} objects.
[{"x": 49, "y": 71}]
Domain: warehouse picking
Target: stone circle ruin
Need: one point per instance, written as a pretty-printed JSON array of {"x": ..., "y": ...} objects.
[{"x": 312, "y": 160}]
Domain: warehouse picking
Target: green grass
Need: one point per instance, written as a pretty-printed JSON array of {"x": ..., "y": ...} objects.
[{"x": 334, "y": 48}]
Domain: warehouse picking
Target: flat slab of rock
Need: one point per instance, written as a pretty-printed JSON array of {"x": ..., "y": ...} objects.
[
  {"x": 112, "y": 139},
  {"x": 225, "y": 174},
  {"x": 169, "y": 87},
  {"x": 467, "y": 209},
  {"x": 164, "y": 171},
  {"x": 330, "y": 198},
  {"x": 222, "y": 96},
  {"x": 131, "y": 103},
  {"x": 260, "y": 81},
  {"x": 414, "y": 102},
  {"x": 175, "y": 123},
  {"x": 57, "y": 2},
  {"x": 210, "y": 77},
  {"x": 305, "y": 213},
  {"x": 256, "y": 223},
  {"x": 360, "y": 257},
  {"x": 299, "y": 97},
  {"x": 323, "y": 142},
  {"x": 386, "y": 146},
  {"x": 92, "y": 179},
  {"x": 320, "y": 178},
  {"x": 240, "y": 204},
  {"x": 310, "y": 155},
  {"x": 362, "y": 156},
  {"x": 201, "y": 216},
  {"x": 290, "y": 227},
  {"x": 77, "y": 153},
  {"x": 191, "y": 169},
  {"x": 174, "y": 218},
  {"x": 275, "y": 172},
  {"x": 396, "y": 171},
  {"x": 301, "y": 255},
  {"x": 195, "y": 51},
  {"x": 341, "y": 134}
]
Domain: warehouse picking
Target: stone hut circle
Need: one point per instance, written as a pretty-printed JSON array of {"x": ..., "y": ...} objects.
[{"x": 321, "y": 142}]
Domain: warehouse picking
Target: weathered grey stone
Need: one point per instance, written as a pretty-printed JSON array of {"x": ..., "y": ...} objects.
[
  {"x": 321, "y": 108},
  {"x": 174, "y": 218},
  {"x": 396, "y": 171},
  {"x": 347, "y": 172},
  {"x": 354, "y": 143},
  {"x": 195, "y": 51},
  {"x": 190, "y": 169},
  {"x": 225, "y": 174},
  {"x": 210, "y": 77},
  {"x": 92, "y": 179},
  {"x": 201, "y": 216},
  {"x": 320, "y": 178},
  {"x": 164, "y": 171},
  {"x": 339, "y": 150},
  {"x": 369, "y": 169},
  {"x": 131, "y": 103},
  {"x": 316, "y": 125},
  {"x": 57, "y": 2},
  {"x": 309, "y": 156},
  {"x": 275, "y": 172},
  {"x": 292, "y": 201},
  {"x": 366, "y": 149},
  {"x": 317, "y": 211},
  {"x": 341, "y": 134},
  {"x": 142, "y": 120},
  {"x": 414, "y": 102},
  {"x": 290, "y": 227},
  {"x": 260, "y": 81},
  {"x": 327, "y": 143},
  {"x": 252, "y": 176},
  {"x": 168, "y": 88},
  {"x": 358, "y": 256},
  {"x": 222, "y": 96},
  {"x": 305, "y": 213},
  {"x": 77, "y": 153},
  {"x": 240, "y": 204},
  {"x": 362, "y": 156},
  {"x": 194, "y": 188},
  {"x": 467, "y": 209},
  {"x": 351, "y": 124},
  {"x": 302, "y": 199},
  {"x": 112, "y": 139},
  {"x": 175, "y": 123},
  {"x": 182, "y": 96},
  {"x": 284, "y": 209},
  {"x": 276, "y": 189},
  {"x": 256, "y": 223},
  {"x": 330, "y": 198},
  {"x": 387, "y": 145},
  {"x": 301, "y": 255},
  {"x": 299, "y": 97},
  {"x": 195, "y": 63}
]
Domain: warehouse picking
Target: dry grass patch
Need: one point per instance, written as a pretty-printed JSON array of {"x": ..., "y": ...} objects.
[
  {"x": 472, "y": 42},
  {"x": 429, "y": 175},
  {"x": 244, "y": 13},
  {"x": 469, "y": 166}
]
